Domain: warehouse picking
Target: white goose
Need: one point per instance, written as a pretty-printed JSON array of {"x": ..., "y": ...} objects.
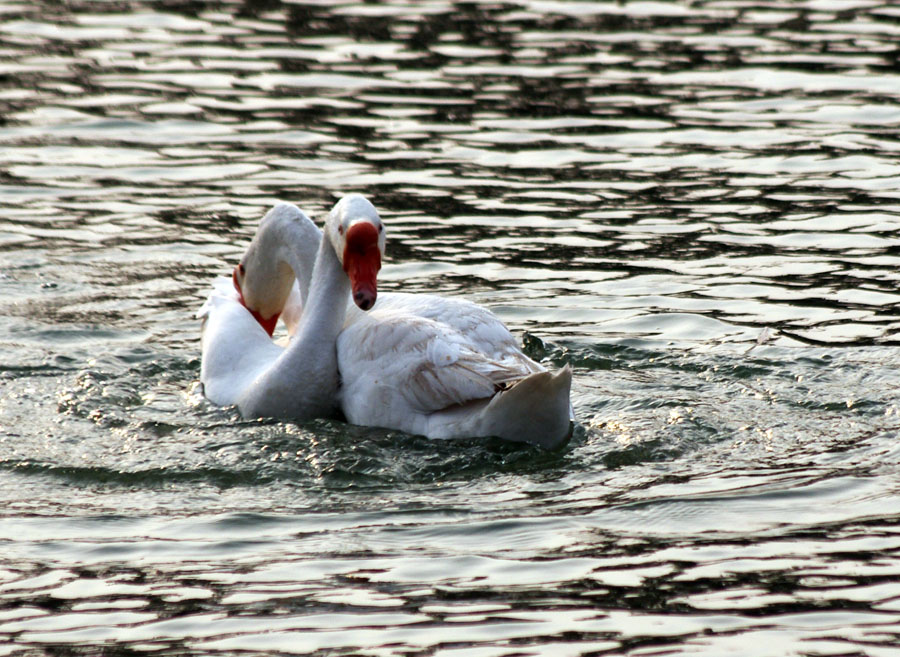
[
  {"x": 240, "y": 363},
  {"x": 424, "y": 364}
]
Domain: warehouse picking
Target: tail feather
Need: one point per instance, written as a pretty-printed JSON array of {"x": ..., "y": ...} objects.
[{"x": 535, "y": 410}]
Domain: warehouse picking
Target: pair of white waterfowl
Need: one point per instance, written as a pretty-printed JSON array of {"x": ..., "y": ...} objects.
[{"x": 424, "y": 364}]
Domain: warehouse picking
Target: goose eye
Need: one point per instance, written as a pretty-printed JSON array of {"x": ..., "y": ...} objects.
[
  {"x": 380, "y": 228},
  {"x": 340, "y": 229},
  {"x": 241, "y": 268}
]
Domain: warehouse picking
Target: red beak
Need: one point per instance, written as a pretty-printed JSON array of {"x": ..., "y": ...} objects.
[
  {"x": 362, "y": 260},
  {"x": 267, "y": 324}
]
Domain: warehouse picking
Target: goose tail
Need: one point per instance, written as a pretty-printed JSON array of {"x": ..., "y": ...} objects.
[{"x": 534, "y": 410}]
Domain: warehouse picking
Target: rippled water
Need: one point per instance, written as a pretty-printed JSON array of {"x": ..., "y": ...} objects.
[{"x": 694, "y": 204}]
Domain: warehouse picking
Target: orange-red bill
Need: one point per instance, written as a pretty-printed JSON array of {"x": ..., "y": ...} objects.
[
  {"x": 267, "y": 324},
  {"x": 362, "y": 260}
]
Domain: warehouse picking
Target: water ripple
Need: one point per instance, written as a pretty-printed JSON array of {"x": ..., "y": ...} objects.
[{"x": 694, "y": 205}]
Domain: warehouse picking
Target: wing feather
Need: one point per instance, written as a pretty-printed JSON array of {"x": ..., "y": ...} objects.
[{"x": 421, "y": 363}]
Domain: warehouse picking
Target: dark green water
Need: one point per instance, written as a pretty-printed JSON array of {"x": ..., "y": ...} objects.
[{"x": 695, "y": 204}]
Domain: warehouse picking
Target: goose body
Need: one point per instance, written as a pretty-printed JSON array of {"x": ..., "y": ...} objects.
[
  {"x": 447, "y": 368},
  {"x": 235, "y": 349}
]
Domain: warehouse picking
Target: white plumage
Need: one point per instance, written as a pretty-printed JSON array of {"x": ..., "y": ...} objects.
[{"x": 424, "y": 364}]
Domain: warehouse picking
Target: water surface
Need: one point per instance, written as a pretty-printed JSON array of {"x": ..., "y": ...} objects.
[{"x": 694, "y": 204}]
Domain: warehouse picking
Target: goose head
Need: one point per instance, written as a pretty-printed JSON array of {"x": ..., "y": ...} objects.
[
  {"x": 285, "y": 240},
  {"x": 357, "y": 235}
]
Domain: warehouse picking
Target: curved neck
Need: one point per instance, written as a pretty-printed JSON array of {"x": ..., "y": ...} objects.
[
  {"x": 284, "y": 247},
  {"x": 326, "y": 302},
  {"x": 303, "y": 382},
  {"x": 298, "y": 249}
]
